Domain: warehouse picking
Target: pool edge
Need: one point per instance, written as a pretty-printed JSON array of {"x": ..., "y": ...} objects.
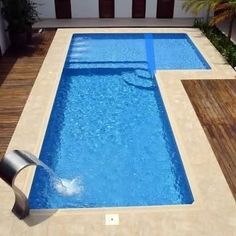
[{"x": 34, "y": 139}]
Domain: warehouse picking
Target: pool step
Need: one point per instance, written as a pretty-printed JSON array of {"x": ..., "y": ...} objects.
[{"x": 73, "y": 64}]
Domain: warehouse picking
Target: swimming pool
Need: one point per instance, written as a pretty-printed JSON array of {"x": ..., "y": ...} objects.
[{"x": 109, "y": 125}]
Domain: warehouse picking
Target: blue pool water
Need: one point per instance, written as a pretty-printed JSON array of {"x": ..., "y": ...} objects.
[{"x": 109, "y": 127}]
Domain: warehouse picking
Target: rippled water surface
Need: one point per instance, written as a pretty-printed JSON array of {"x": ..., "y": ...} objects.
[{"x": 109, "y": 128}]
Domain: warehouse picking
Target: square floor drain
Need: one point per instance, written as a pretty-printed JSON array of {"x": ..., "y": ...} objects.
[{"x": 112, "y": 219}]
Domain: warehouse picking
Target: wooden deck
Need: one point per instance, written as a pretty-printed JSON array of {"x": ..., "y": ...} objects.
[
  {"x": 214, "y": 102},
  {"x": 18, "y": 71}
]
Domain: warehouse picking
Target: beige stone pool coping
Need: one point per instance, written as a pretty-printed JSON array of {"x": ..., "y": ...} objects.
[{"x": 213, "y": 211}]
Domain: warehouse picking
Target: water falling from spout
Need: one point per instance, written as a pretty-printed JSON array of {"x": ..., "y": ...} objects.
[{"x": 65, "y": 187}]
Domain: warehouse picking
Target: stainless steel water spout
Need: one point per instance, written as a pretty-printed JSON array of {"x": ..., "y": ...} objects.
[{"x": 10, "y": 166}]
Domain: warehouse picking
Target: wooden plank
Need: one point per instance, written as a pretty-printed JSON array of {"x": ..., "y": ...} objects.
[
  {"x": 214, "y": 102},
  {"x": 18, "y": 71}
]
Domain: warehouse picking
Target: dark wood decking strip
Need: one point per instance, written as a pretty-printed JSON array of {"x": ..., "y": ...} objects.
[
  {"x": 214, "y": 102},
  {"x": 18, "y": 71}
]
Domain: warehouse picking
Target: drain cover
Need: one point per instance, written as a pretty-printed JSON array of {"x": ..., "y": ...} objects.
[{"x": 111, "y": 219}]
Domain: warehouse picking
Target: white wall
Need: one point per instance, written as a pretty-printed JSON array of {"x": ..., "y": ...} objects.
[
  {"x": 151, "y": 8},
  {"x": 46, "y": 8},
  {"x": 4, "y": 40},
  {"x": 85, "y": 8},
  {"x": 179, "y": 12},
  {"x": 123, "y": 8}
]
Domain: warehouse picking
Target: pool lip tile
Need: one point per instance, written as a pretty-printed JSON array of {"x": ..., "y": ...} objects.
[{"x": 209, "y": 200}]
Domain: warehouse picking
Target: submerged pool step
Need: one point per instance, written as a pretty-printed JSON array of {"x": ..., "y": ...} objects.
[{"x": 141, "y": 68}]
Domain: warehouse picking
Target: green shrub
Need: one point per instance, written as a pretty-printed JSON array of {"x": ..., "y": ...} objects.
[
  {"x": 20, "y": 14},
  {"x": 226, "y": 47}
]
